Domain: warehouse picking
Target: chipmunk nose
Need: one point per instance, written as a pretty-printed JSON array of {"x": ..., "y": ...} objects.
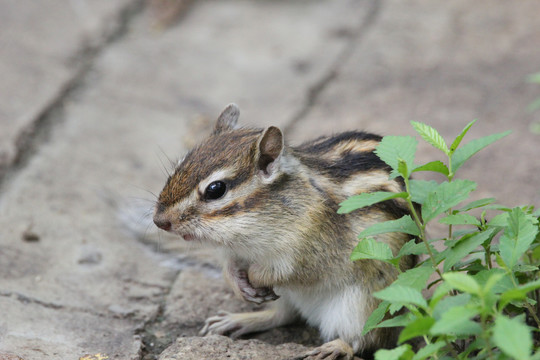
[{"x": 162, "y": 223}]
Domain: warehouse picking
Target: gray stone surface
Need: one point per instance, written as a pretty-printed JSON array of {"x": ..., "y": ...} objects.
[
  {"x": 220, "y": 347},
  {"x": 44, "y": 47},
  {"x": 445, "y": 65},
  {"x": 78, "y": 253}
]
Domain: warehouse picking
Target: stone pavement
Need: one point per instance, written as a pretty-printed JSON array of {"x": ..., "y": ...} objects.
[{"x": 96, "y": 98}]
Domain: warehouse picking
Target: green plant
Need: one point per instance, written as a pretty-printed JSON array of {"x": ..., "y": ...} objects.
[{"x": 483, "y": 276}]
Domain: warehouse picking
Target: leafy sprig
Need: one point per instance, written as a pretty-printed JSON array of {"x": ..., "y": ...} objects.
[{"x": 485, "y": 299}]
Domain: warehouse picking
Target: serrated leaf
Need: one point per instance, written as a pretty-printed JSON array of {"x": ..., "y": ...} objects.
[
  {"x": 512, "y": 337},
  {"x": 436, "y": 166},
  {"x": 420, "y": 189},
  {"x": 376, "y": 317},
  {"x": 458, "y": 139},
  {"x": 400, "y": 353},
  {"x": 393, "y": 148},
  {"x": 460, "y": 219},
  {"x": 403, "y": 225},
  {"x": 415, "y": 278},
  {"x": 430, "y": 135},
  {"x": 369, "y": 248},
  {"x": 517, "y": 237},
  {"x": 418, "y": 327},
  {"x": 462, "y": 282},
  {"x": 464, "y": 153},
  {"x": 465, "y": 247},
  {"x": 445, "y": 196},
  {"x": 429, "y": 350},
  {"x": 367, "y": 199},
  {"x": 477, "y": 204},
  {"x": 457, "y": 321},
  {"x": 402, "y": 295}
]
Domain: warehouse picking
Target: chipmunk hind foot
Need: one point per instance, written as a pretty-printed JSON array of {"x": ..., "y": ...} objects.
[{"x": 332, "y": 350}]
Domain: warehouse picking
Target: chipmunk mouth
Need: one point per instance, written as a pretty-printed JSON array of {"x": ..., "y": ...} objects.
[{"x": 189, "y": 237}]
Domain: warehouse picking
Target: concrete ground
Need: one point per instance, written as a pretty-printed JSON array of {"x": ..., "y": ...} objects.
[{"x": 98, "y": 95}]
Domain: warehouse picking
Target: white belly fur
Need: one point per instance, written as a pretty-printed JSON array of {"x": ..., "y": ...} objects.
[{"x": 337, "y": 313}]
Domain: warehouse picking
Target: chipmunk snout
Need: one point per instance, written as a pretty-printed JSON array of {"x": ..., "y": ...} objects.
[{"x": 162, "y": 223}]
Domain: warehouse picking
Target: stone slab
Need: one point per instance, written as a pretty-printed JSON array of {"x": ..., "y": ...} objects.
[{"x": 40, "y": 48}]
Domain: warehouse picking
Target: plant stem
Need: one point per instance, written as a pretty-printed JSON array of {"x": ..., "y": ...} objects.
[{"x": 421, "y": 227}]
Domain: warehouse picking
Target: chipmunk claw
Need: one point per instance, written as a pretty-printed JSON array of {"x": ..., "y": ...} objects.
[{"x": 224, "y": 323}]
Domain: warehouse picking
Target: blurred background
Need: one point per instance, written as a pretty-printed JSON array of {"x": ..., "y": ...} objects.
[{"x": 98, "y": 96}]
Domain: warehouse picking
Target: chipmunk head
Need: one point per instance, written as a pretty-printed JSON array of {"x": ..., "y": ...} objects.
[{"x": 216, "y": 191}]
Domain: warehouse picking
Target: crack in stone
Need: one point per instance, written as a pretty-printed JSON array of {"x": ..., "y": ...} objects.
[
  {"x": 24, "y": 299},
  {"x": 316, "y": 89},
  {"x": 39, "y": 131}
]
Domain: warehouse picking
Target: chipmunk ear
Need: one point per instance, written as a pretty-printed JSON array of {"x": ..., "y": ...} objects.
[
  {"x": 228, "y": 119},
  {"x": 270, "y": 148}
]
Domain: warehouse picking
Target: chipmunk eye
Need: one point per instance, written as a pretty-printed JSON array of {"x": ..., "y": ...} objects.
[{"x": 215, "y": 190}]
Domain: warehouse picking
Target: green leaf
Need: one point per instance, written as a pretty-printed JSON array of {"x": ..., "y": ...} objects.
[
  {"x": 464, "y": 153},
  {"x": 429, "y": 350},
  {"x": 418, "y": 327},
  {"x": 431, "y": 135},
  {"x": 393, "y": 148},
  {"x": 415, "y": 278},
  {"x": 462, "y": 282},
  {"x": 465, "y": 247},
  {"x": 499, "y": 220},
  {"x": 397, "y": 321},
  {"x": 457, "y": 321},
  {"x": 401, "y": 295},
  {"x": 403, "y": 225},
  {"x": 403, "y": 352},
  {"x": 477, "y": 204},
  {"x": 460, "y": 219},
  {"x": 367, "y": 199},
  {"x": 520, "y": 292},
  {"x": 445, "y": 196},
  {"x": 517, "y": 237},
  {"x": 436, "y": 166},
  {"x": 369, "y": 248},
  {"x": 412, "y": 248},
  {"x": 402, "y": 169},
  {"x": 460, "y": 137},
  {"x": 449, "y": 302},
  {"x": 420, "y": 189},
  {"x": 494, "y": 280},
  {"x": 376, "y": 317},
  {"x": 512, "y": 337}
]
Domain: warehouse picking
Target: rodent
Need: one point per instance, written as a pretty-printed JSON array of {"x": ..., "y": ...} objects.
[{"x": 272, "y": 211}]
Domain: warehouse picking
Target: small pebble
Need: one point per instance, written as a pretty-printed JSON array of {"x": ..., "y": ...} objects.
[{"x": 30, "y": 236}]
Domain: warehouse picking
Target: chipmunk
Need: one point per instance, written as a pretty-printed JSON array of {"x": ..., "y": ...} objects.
[{"x": 272, "y": 210}]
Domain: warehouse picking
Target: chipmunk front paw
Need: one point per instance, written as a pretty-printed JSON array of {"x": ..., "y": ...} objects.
[
  {"x": 224, "y": 323},
  {"x": 257, "y": 295}
]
